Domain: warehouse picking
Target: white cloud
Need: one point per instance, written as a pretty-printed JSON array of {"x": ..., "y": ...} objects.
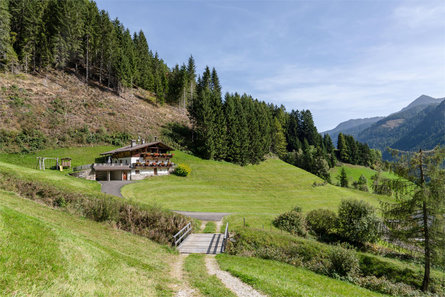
[{"x": 379, "y": 80}]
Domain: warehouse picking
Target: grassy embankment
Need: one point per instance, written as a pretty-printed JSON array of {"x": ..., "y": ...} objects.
[
  {"x": 51, "y": 252},
  {"x": 255, "y": 192},
  {"x": 280, "y": 279}
]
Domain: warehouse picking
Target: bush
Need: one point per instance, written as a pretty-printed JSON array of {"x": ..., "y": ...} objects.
[
  {"x": 182, "y": 170},
  {"x": 384, "y": 286},
  {"x": 292, "y": 222},
  {"x": 343, "y": 262},
  {"x": 357, "y": 222},
  {"x": 361, "y": 184},
  {"x": 322, "y": 222}
]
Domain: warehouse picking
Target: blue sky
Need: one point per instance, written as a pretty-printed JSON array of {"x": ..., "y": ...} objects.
[{"x": 340, "y": 59}]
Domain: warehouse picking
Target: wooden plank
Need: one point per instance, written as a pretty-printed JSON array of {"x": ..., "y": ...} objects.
[{"x": 202, "y": 244}]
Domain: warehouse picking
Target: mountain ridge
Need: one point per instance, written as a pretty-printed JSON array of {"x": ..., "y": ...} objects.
[{"x": 401, "y": 129}]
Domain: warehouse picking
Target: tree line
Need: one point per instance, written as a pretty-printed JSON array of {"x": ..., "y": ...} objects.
[
  {"x": 40, "y": 35},
  {"x": 354, "y": 152},
  {"x": 243, "y": 130}
]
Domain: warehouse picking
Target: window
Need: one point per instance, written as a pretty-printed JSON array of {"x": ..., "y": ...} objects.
[
  {"x": 137, "y": 171},
  {"x": 120, "y": 161}
]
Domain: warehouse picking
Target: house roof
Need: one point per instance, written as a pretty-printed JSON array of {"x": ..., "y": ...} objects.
[{"x": 130, "y": 148}]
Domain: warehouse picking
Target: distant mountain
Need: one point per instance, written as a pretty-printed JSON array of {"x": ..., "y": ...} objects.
[
  {"x": 351, "y": 127},
  {"x": 421, "y": 124},
  {"x": 423, "y": 101},
  {"x": 428, "y": 133}
]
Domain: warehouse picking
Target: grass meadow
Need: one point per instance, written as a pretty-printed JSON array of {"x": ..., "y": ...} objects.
[{"x": 256, "y": 193}]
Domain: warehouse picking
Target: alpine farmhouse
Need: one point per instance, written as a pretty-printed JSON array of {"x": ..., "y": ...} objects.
[{"x": 135, "y": 162}]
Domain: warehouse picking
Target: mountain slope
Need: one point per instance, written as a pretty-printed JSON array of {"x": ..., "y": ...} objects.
[
  {"x": 419, "y": 124},
  {"x": 423, "y": 100},
  {"x": 351, "y": 127},
  {"x": 428, "y": 133},
  {"x": 61, "y": 109}
]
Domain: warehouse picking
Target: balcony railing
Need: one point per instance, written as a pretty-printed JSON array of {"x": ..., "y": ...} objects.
[
  {"x": 157, "y": 155},
  {"x": 152, "y": 165}
]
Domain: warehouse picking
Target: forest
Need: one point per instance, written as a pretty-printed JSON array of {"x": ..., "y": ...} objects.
[{"x": 75, "y": 36}]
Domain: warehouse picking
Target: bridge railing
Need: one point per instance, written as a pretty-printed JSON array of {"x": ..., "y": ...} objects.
[
  {"x": 225, "y": 239},
  {"x": 182, "y": 234}
]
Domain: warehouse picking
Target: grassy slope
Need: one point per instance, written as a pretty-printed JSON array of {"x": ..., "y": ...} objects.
[
  {"x": 52, "y": 177},
  {"x": 50, "y": 252},
  {"x": 354, "y": 171},
  {"x": 257, "y": 192},
  {"x": 279, "y": 279},
  {"x": 79, "y": 156}
]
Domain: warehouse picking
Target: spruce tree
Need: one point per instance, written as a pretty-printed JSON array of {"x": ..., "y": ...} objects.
[
  {"x": 342, "y": 147},
  {"x": 219, "y": 124},
  {"x": 343, "y": 178},
  {"x": 278, "y": 139},
  {"x": 232, "y": 128}
]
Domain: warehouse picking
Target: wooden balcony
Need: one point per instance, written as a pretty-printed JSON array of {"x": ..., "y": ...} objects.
[
  {"x": 151, "y": 165},
  {"x": 156, "y": 155}
]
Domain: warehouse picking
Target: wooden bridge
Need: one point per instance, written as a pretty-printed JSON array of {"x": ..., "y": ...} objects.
[{"x": 200, "y": 243}]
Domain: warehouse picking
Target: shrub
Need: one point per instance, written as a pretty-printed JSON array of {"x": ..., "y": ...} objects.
[
  {"x": 384, "y": 286},
  {"x": 182, "y": 170},
  {"x": 292, "y": 222},
  {"x": 322, "y": 222},
  {"x": 361, "y": 184},
  {"x": 357, "y": 222},
  {"x": 343, "y": 262}
]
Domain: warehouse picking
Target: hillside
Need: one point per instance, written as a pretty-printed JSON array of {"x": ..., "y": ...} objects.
[
  {"x": 418, "y": 125},
  {"x": 57, "y": 108},
  {"x": 50, "y": 252},
  {"x": 256, "y": 192}
]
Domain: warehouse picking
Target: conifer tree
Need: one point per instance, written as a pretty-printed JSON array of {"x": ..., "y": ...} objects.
[
  {"x": 342, "y": 148},
  {"x": 343, "y": 178},
  {"x": 232, "y": 128},
  {"x": 278, "y": 139},
  {"x": 191, "y": 72},
  {"x": 8, "y": 57},
  {"x": 417, "y": 216},
  {"x": 219, "y": 124}
]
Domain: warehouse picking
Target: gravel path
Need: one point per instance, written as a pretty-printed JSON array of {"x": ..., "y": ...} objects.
[{"x": 234, "y": 284}]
